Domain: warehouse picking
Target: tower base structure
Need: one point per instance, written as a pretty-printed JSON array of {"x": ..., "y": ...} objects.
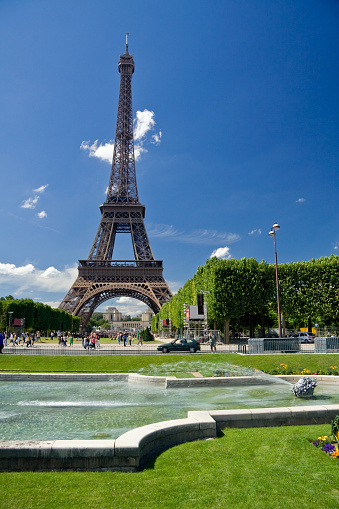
[{"x": 99, "y": 281}]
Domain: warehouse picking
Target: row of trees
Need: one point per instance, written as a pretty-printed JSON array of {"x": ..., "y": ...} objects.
[
  {"x": 242, "y": 294},
  {"x": 37, "y": 316}
]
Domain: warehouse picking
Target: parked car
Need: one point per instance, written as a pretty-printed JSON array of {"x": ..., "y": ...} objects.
[
  {"x": 305, "y": 337},
  {"x": 180, "y": 345}
]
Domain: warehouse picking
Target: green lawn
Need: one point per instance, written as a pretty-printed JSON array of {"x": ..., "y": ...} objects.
[
  {"x": 162, "y": 364},
  {"x": 269, "y": 468}
]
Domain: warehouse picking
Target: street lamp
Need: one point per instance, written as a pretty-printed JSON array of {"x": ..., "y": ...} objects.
[
  {"x": 10, "y": 315},
  {"x": 272, "y": 234}
]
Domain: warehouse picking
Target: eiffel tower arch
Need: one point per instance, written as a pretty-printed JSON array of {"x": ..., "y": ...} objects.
[{"x": 100, "y": 277}]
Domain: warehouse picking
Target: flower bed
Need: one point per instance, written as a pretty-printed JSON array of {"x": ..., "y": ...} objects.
[
  {"x": 329, "y": 443},
  {"x": 285, "y": 369}
]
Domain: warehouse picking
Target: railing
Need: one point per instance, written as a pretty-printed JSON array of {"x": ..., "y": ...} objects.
[
  {"x": 104, "y": 349},
  {"x": 122, "y": 263}
]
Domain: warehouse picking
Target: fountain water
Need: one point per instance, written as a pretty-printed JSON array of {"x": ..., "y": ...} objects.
[{"x": 90, "y": 410}]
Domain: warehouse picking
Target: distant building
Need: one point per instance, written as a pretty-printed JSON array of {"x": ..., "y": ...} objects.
[{"x": 115, "y": 319}]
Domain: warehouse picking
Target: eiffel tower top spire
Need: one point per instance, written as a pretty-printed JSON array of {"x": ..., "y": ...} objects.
[{"x": 122, "y": 186}]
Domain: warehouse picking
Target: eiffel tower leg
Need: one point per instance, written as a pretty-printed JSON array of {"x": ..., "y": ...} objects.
[{"x": 141, "y": 246}]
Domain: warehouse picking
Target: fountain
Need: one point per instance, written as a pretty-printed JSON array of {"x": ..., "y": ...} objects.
[
  {"x": 106, "y": 409},
  {"x": 304, "y": 388}
]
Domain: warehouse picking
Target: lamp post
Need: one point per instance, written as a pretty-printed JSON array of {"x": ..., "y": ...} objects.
[
  {"x": 10, "y": 315},
  {"x": 276, "y": 227},
  {"x": 205, "y": 292}
]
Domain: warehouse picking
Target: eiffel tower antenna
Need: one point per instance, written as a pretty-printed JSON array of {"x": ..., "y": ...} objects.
[{"x": 100, "y": 277}]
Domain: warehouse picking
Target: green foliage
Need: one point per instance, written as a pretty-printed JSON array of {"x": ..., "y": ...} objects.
[
  {"x": 147, "y": 335},
  {"x": 244, "y": 293},
  {"x": 335, "y": 427},
  {"x": 37, "y": 316}
]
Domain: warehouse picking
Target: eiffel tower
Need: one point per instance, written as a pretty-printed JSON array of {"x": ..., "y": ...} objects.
[{"x": 100, "y": 277}]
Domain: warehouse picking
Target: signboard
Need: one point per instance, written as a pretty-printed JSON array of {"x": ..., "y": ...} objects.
[
  {"x": 18, "y": 321},
  {"x": 193, "y": 313}
]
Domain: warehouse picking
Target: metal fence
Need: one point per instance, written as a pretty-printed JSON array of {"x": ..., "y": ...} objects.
[
  {"x": 292, "y": 345},
  {"x": 145, "y": 349},
  {"x": 253, "y": 346}
]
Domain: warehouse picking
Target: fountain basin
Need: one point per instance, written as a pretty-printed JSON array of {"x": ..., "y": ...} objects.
[{"x": 131, "y": 449}]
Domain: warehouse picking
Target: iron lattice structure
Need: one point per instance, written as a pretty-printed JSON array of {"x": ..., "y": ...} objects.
[{"x": 100, "y": 277}]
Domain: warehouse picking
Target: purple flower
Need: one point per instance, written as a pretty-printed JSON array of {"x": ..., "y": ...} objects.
[
  {"x": 316, "y": 443},
  {"x": 329, "y": 448}
]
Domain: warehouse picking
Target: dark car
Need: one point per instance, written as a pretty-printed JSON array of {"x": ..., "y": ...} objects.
[{"x": 180, "y": 345}]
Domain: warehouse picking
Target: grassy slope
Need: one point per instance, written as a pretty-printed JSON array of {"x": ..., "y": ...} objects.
[
  {"x": 130, "y": 363},
  {"x": 269, "y": 468}
]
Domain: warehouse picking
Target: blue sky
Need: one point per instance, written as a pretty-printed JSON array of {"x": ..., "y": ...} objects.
[{"x": 237, "y": 110}]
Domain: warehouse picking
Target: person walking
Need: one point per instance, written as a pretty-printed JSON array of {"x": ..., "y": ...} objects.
[
  {"x": 1, "y": 342},
  {"x": 125, "y": 338},
  {"x": 213, "y": 342}
]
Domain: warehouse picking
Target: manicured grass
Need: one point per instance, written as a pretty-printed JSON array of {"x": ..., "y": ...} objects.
[
  {"x": 130, "y": 363},
  {"x": 271, "y": 468}
]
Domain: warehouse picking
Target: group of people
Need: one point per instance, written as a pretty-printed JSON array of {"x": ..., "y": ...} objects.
[
  {"x": 16, "y": 339},
  {"x": 126, "y": 338},
  {"x": 91, "y": 341}
]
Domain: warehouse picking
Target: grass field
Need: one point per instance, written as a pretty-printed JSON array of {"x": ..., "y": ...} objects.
[
  {"x": 271, "y": 468},
  {"x": 161, "y": 364}
]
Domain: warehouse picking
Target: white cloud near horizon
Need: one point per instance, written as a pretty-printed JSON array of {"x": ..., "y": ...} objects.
[
  {"x": 222, "y": 252},
  {"x": 301, "y": 200},
  {"x": 28, "y": 277},
  {"x": 126, "y": 306},
  {"x": 41, "y": 214},
  {"x": 143, "y": 123},
  {"x": 207, "y": 237}
]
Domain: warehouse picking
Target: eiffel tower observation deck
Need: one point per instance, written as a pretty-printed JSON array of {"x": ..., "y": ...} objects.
[{"x": 100, "y": 277}]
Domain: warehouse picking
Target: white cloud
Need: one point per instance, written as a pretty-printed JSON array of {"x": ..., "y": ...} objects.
[
  {"x": 51, "y": 303},
  {"x": 42, "y": 214},
  {"x": 30, "y": 203},
  {"x": 175, "y": 285},
  {"x": 301, "y": 200},
  {"x": 9, "y": 269},
  {"x": 157, "y": 138},
  {"x": 40, "y": 189},
  {"x": 28, "y": 277},
  {"x": 143, "y": 123},
  {"x": 221, "y": 252},
  {"x": 103, "y": 152},
  {"x": 126, "y": 306},
  {"x": 257, "y": 231},
  {"x": 207, "y": 237},
  {"x": 138, "y": 150}
]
